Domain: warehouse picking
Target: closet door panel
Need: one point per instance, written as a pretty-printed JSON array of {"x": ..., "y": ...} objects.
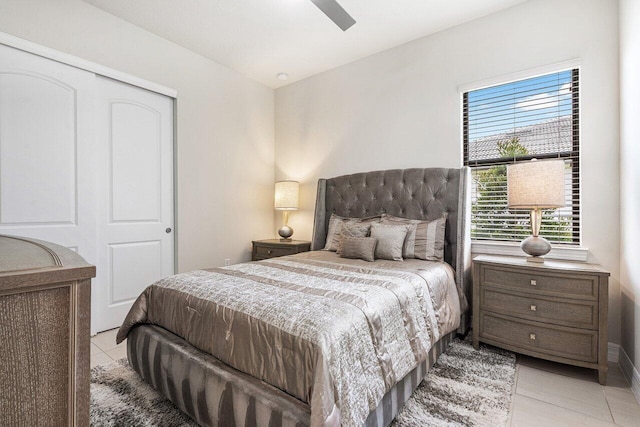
[
  {"x": 136, "y": 149},
  {"x": 135, "y": 188},
  {"x": 135, "y": 265},
  {"x": 47, "y": 151},
  {"x": 40, "y": 152}
]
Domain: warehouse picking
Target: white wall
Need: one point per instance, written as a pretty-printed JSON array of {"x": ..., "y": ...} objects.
[
  {"x": 224, "y": 123},
  {"x": 630, "y": 176},
  {"x": 401, "y": 108}
]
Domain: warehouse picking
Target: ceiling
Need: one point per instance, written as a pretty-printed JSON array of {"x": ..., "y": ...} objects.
[{"x": 261, "y": 38}]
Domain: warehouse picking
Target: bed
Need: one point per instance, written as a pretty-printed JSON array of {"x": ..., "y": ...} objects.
[{"x": 312, "y": 339}]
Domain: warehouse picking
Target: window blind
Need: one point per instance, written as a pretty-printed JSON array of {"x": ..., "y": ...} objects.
[{"x": 514, "y": 122}]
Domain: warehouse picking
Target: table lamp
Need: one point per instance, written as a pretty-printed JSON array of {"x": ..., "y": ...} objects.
[
  {"x": 286, "y": 199},
  {"x": 536, "y": 185}
]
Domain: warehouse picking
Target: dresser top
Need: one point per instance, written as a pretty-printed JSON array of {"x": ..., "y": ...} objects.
[
  {"x": 548, "y": 264},
  {"x": 22, "y": 259},
  {"x": 22, "y": 254}
]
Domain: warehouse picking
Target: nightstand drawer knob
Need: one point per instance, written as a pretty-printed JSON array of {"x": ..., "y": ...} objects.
[
  {"x": 269, "y": 252},
  {"x": 533, "y": 308},
  {"x": 532, "y": 337},
  {"x": 534, "y": 283}
]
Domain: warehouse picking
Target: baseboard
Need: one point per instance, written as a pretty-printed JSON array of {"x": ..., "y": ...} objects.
[
  {"x": 613, "y": 353},
  {"x": 630, "y": 372}
]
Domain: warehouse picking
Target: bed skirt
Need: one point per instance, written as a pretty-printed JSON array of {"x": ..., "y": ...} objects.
[{"x": 214, "y": 394}]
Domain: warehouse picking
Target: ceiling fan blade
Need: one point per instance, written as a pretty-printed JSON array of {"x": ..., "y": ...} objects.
[{"x": 336, "y": 13}]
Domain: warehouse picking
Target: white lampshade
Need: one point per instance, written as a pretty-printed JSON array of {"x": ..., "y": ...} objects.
[
  {"x": 286, "y": 195},
  {"x": 538, "y": 184}
]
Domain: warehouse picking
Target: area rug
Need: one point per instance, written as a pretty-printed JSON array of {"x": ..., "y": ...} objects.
[{"x": 465, "y": 388}]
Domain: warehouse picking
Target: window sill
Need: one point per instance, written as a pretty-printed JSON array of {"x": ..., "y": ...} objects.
[{"x": 566, "y": 253}]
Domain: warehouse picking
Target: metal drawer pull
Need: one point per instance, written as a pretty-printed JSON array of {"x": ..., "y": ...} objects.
[
  {"x": 269, "y": 252},
  {"x": 533, "y": 308},
  {"x": 532, "y": 337},
  {"x": 533, "y": 282}
]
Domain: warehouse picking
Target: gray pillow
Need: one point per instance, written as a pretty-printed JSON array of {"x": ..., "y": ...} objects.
[
  {"x": 425, "y": 239},
  {"x": 353, "y": 229},
  {"x": 336, "y": 223},
  {"x": 359, "y": 248},
  {"x": 390, "y": 240}
]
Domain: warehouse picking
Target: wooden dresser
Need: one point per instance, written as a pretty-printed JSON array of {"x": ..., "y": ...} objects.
[
  {"x": 45, "y": 298},
  {"x": 265, "y": 249},
  {"x": 552, "y": 310}
]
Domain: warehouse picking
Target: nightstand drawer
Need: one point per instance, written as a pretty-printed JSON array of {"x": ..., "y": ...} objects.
[
  {"x": 558, "y": 341},
  {"x": 271, "y": 252},
  {"x": 574, "y": 313},
  {"x": 556, "y": 284},
  {"x": 265, "y": 249}
]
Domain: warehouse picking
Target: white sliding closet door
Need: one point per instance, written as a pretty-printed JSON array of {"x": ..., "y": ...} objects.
[
  {"x": 87, "y": 162},
  {"x": 135, "y": 195},
  {"x": 47, "y": 149}
]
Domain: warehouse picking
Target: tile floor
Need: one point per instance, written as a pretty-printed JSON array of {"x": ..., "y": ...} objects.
[
  {"x": 104, "y": 348},
  {"x": 546, "y": 393},
  {"x": 553, "y": 394}
]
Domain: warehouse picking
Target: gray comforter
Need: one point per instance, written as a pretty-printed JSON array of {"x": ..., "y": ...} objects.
[{"x": 335, "y": 333}]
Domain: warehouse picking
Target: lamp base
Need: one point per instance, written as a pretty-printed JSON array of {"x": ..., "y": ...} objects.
[
  {"x": 535, "y": 246},
  {"x": 285, "y": 232}
]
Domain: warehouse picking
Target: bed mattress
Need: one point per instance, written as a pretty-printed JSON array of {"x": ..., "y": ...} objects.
[{"x": 335, "y": 334}]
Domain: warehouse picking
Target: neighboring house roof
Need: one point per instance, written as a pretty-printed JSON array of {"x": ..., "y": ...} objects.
[{"x": 551, "y": 136}]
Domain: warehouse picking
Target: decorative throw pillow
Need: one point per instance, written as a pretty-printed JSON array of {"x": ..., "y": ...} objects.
[
  {"x": 334, "y": 231},
  {"x": 425, "y": 239},
  {"x": 353, "y": 229},
  {"x": 390, "y": 240},
  {"x": 359, "y": 248}
]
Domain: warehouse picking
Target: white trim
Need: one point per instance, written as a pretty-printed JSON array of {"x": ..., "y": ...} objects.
[
  {"x": 46, "y": 52},
  {"x": 630, "y": 373},
  {"x": 513, "y": 249},
  {"x": 613, "y": 353},
  {"x": 520, "y": 75}
]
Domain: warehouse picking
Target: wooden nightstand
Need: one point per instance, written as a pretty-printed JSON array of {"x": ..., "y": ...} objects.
[
  {"x": 553, "y": 310},
  {"x": 265, "y": 249}
]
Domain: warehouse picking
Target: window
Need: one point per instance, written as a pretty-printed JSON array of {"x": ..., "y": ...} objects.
[{"x": 514, "y": 122}]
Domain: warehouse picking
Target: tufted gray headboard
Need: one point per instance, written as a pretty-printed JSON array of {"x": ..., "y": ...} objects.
[{"x": 424, "y": 194}]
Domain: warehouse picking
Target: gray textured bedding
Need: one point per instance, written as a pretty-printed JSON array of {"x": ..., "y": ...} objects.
[{"x": 334, "y": 333}]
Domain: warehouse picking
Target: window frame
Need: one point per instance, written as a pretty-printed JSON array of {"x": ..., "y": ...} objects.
[{"x": 574, "y": 154}]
